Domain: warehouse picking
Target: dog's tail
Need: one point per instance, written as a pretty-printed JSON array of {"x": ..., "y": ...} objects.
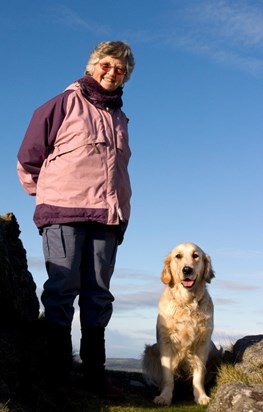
[{"x": 151, "y": 365}]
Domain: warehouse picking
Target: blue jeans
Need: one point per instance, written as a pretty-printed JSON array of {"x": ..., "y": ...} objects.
[{"x": 80, "y": 260}]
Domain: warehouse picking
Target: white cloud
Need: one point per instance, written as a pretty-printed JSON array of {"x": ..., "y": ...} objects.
[
  {"x": 135, "y": 289},
  {"x": 240, "y": 23},
  {"x": 68, "y": 17},
  {"x": 125, "y": 344},
  {"x": 36, "y": 262},
  {"x": 231, "y": 285},
  {"x": 238, "y": 253},
  {"x": 225, "y": 339},
  {"x": 228, "y": 32},
  {"x": 224, "y": 302},
  {"x": 136, "y": 300}
]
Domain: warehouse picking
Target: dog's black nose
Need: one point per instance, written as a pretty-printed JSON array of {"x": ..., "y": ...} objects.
[{"x": 187, "y": 270}]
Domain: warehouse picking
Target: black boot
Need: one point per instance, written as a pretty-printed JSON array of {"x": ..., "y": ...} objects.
[
  {"x": 58, "y": 358},
  {"x": 92, "y": 354}
]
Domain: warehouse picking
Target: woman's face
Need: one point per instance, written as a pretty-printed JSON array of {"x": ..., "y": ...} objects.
[{"x": 109, "y": 72}]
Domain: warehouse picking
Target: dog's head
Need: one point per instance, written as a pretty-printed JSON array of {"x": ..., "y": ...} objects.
[{"x": 187, "y": 265}]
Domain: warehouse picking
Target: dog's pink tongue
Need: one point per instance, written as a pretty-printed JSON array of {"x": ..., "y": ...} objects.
[{"x": 188, "y": 283}]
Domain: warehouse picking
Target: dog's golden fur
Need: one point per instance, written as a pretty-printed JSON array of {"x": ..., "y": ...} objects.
[{"x": 184, "y": 324}]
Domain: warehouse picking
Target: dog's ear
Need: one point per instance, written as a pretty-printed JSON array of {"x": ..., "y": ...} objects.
[
  {"x": 209, "y": 274},
  {"x": 166, "y": 277}
]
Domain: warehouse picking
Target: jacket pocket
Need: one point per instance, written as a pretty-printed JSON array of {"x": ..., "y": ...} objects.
[
  {"x": 53, "y": 244},
  {"x": 123, "y": 146},
  {"x": 84, "y": 139}
]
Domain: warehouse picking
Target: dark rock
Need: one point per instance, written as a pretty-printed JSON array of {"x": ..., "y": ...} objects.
[
  {"x": 19, "y": 311},
  {"x": 19, "y": 304},
  {"x": 250, "y": 358},
  {"x": 243, "y": 344},
  {"x": 213, "y": 364}
]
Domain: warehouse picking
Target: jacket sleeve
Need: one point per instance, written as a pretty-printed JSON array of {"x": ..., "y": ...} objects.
[{"x": 39, "y": 140}]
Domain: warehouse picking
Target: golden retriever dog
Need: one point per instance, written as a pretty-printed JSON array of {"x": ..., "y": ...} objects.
[{"x": 184, "y": 324}]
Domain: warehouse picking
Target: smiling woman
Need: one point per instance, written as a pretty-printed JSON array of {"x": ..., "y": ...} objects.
[
  {"x": 74, "y": 158},
  {"x": 107, "y": 54},
  {"x": 109, "y": 73}
]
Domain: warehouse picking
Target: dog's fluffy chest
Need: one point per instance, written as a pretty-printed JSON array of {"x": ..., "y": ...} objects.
[{"x": 186, "y": 322}]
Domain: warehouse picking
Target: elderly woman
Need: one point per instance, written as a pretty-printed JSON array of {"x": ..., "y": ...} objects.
[{"x": 74, "y": 158}]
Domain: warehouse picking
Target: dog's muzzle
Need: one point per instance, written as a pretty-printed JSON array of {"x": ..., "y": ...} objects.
[
  {"x": 187, "y": 270},
  {"x": 187, "y": 282}
]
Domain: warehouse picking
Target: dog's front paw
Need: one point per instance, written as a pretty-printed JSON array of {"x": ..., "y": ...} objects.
[
  {"x": 203, "y": 400},
  {"x": 161, "y": 400}
]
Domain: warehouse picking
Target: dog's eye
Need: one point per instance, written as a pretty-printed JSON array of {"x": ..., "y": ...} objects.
[
  {"x": 195, "y": 255},
  {"x": 178, "y": 256}
]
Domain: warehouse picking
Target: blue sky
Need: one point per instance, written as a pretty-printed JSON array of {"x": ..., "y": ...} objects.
[{"x": 195, "y": 107}]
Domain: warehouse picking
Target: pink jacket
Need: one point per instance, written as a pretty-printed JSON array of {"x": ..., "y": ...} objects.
[{"x": 74, "y": 158}]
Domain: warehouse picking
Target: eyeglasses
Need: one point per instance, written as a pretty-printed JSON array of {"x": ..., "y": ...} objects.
[{"x": 106, "y": 67}]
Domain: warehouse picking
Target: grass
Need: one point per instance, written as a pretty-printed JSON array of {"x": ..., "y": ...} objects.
[{"x": 228, "y": 373}]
